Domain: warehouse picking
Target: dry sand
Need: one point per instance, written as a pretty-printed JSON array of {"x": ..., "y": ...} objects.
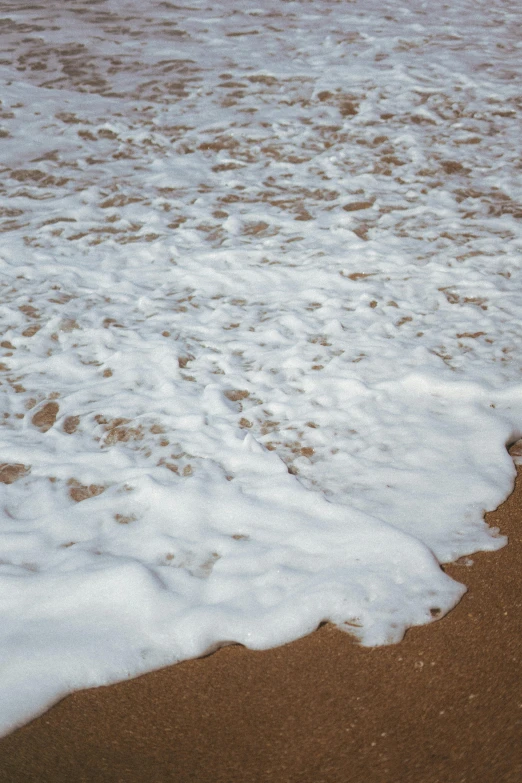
[{"x": 444, "y": 706}]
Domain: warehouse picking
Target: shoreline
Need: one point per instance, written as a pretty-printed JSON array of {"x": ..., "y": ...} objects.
[{"x": 444, "y": 704}]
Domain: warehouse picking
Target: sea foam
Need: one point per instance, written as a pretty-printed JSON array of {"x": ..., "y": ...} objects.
[{"x": 261, "y": 314}]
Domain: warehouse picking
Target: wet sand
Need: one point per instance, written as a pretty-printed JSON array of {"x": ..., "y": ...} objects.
[{"x": 444, "y": 706}]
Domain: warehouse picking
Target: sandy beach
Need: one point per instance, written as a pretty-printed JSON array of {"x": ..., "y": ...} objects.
[
  {"x": 443, "y": 705},
  {"x": 260, "y": 358}
]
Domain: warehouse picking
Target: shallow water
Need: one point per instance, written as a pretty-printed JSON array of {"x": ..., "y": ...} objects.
[{"x": 261, "y": 318}]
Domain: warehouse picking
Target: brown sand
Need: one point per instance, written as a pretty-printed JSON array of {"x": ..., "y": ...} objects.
[{"x": 444, "y": 706}]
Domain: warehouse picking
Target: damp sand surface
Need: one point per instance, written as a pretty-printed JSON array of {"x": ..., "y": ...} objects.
[
  {"x": 260, "y": 311},
  {"x": 445, "y": 704}
]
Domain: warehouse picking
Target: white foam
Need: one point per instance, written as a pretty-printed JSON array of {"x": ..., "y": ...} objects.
[{"x": 260, "y": 314}]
